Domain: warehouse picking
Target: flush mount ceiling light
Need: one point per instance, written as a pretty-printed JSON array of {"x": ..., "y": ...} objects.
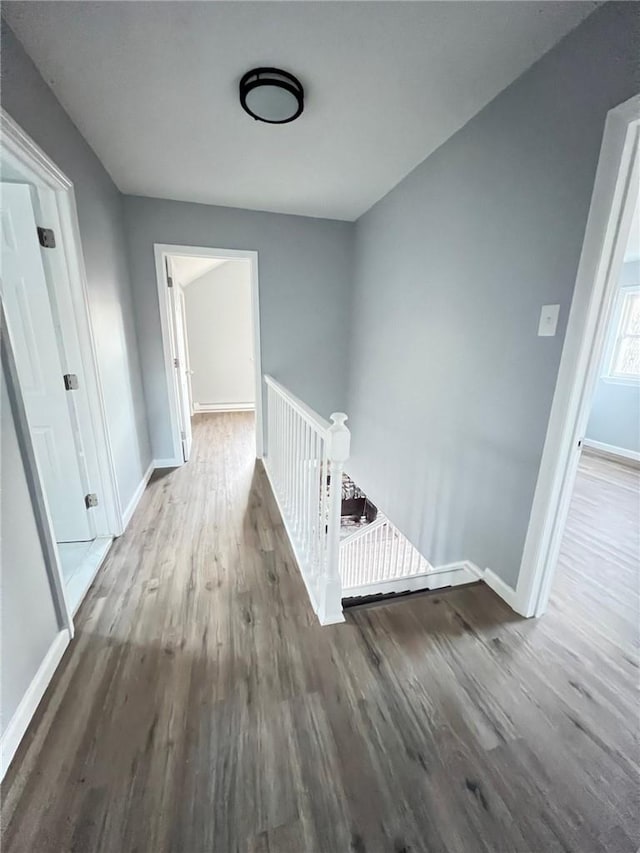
[{"x": 271, "y": 95}]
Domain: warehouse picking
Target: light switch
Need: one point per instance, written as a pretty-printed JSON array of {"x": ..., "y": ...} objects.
[{"x": 548, "y": 321}]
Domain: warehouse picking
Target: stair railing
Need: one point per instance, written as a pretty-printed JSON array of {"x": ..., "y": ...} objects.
[
  {"x": 377, "y": 554},
  {"x": 304, "y": 461}
]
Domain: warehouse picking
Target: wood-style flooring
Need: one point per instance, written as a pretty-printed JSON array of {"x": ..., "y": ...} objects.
[{"x": 201, "y": 708}]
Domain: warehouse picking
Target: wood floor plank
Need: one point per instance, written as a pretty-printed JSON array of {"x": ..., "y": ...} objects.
[{"x": 202, "y": 709}]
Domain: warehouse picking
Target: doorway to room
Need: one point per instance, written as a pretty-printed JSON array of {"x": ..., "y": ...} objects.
[
  {"x": 601, "y": 353},
  {"x": 50, "y": 370},
  {"x": 599, "y": 560},
  {"x": 210, "y": 323}
]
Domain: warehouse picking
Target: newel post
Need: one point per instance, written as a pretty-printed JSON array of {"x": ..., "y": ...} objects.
[{"x": 339, "y": 440}]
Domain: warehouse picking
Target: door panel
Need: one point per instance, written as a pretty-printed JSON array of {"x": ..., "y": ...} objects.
[
  {"x": 180, "y": 363},
  {"x": 187, "y": 364},
  {"x": 30, "y": 321}
]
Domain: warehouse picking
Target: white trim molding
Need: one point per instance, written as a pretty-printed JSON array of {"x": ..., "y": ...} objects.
[
  {"x": 136, "y": 496},
  {"x": 607, "y": 230},
  {"x": 23, "y": 714},
  {"x": 611, "y": 450},
  {"x": 442, "y": 577},
  {"x": 203, "y": 408},
  {"x": 163, "y": 250}
]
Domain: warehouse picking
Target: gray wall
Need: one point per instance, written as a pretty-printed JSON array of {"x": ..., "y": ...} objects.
[
  {"x": 304, "y": 270},
  {"x": 615, "y": 411},
  {"x": 26, "y": 595},
  {"x": 31, "y": 103},
  {"x": 450, "y": 388}
]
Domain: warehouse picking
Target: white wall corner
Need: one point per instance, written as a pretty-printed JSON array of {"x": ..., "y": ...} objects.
[
  {"x": 23, "y": 714},
  {"x": 135, "y": 498}
]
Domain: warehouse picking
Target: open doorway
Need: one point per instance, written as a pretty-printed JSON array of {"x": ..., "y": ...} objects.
[
  {"x": 601, "y": 346},
  {"x": 598, "y": 571},
  {"x": 50, "y": 364},
  {"x": 211, "y": 336}
]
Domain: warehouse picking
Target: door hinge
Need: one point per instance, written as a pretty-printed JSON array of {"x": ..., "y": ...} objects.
[
  {"x": 91, "y": 500},
  {"x": 71, "y": 382},
  {"x": 183, "y": 435},
  {"x": 47, "y": 237},
  {"x": 169, "y": 281},
  {"x": 176, "y": 362}
]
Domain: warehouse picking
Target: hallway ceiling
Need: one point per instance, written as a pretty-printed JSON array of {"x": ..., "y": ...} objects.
[{"x": 153, "y": 88}]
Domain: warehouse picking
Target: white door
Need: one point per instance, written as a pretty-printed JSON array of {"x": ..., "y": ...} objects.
[
  {"x": 30, "y": 320},
  {"x": 187, "y": 363},
  {"x": 180, "y": 363}
]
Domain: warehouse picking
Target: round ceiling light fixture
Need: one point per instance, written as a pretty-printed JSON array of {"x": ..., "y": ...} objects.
[{"x": 271, "y": 95}]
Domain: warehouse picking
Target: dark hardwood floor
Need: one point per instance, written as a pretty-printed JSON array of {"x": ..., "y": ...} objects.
[{"x": 201, "y": 709}]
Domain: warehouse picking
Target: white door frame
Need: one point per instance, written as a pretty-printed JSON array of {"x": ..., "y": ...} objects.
[
  {"x": 55, "y": 207},
  {"x": 161, "y": 251},
  {"x": 606, "y": 235},
  {"x": 41, "y": 512}
]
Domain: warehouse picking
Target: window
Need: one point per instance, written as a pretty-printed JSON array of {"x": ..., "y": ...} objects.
[{"x": 624, "y": 363}]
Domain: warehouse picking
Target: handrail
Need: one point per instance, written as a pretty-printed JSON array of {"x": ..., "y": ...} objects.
[
  {"x": 312, "y": 418},
  {"x": 304, "y": 462},
  {"x": 366, "y": 528}
]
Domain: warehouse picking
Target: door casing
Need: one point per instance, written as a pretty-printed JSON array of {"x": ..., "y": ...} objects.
[
  {"x": 606, "y": 233},
  {"x": 31, "y": 316},
  {"x": 161, "y": 252},
  {"x": 55, "y": 207}
]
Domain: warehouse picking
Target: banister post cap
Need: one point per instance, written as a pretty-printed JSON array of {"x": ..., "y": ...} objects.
[{"x": 340, "y": 438}]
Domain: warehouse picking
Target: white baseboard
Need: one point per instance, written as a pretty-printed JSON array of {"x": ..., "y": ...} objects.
[
  {"x": 29, "y": 703},
  {"x": 611, "y": 449},
  {"x": 169, "y": 462},
  {"x": 501, "y": 589},
  {"x": 135, "y": 498},
  {"x": 201, "y": 408},
  {"x": 451, "y": 574}
]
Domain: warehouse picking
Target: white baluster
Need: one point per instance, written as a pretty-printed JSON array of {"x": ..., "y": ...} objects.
[
  {"x": 305, "y": 491},
  {"x": 299, "y": 477},
  {"x": 339, "y": 440}
]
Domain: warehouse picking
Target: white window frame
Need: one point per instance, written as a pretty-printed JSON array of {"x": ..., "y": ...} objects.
[{"x": 615, "y": 337}]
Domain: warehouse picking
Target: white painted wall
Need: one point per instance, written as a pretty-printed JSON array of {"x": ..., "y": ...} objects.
[{"x": 220, "y": 336}]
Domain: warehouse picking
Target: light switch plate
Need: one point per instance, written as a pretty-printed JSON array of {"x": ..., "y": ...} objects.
[{"x": 548, "y": 321}]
